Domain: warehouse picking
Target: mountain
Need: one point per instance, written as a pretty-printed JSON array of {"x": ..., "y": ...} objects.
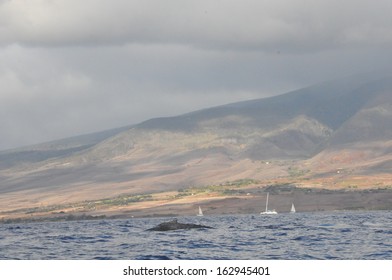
[
  {"x": 54, "y": 149},
  {"x": 334, "y": 134}
]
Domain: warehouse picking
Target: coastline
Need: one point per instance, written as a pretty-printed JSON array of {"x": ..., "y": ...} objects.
[{"x": 246, "y": 201}]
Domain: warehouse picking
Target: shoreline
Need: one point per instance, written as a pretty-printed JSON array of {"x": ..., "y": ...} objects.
[
  {"x": 250, "y": 202},
  {"x": 73, "y": 218}
]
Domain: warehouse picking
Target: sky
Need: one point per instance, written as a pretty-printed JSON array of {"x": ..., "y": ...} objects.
[{"x": 71, "y": 67}]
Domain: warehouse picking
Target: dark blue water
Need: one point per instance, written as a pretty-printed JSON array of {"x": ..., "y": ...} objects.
[{"x": 340, "y": 235}]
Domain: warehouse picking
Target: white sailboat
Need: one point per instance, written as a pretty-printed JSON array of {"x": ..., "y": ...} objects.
[
  {"x": 268, "y": 212},
  {"x": 292, "y": 208},
  {"x": 200, "y": 212}
]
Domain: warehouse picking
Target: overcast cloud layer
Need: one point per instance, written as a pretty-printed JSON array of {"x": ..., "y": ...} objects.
[{"x": 71, "y": 67}]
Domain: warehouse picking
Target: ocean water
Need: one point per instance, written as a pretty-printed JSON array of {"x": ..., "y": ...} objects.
[{"x": 334, "y": 235}]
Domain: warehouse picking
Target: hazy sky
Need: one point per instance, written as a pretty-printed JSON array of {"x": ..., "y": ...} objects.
[{"x": 69, "y": 67}]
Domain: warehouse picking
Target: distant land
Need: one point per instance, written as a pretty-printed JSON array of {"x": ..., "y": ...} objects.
[{"x": 325, "y": 147}]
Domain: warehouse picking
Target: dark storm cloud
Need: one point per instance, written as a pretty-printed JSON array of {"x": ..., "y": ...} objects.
[{"x": 70, "y": 67}]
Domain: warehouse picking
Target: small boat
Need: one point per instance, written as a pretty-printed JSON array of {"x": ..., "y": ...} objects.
[
  {"x": 268, "y": 212},
  {"x": 292, "y": 208},
  {"x": 200, "y": 212}
]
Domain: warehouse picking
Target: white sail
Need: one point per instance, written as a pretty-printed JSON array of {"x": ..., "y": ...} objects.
[
  {"x": 292, "y": 208},
  {"x": 200, "y": 212},
  {"x": 268, "y": 212}
]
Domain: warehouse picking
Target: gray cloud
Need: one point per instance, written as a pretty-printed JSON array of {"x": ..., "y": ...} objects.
[
  {"x": 297, "y": 25},
  {"x": 71, "y": 67}
]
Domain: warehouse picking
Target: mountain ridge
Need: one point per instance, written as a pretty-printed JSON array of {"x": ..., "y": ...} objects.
[{"x": 331, "y": 135}]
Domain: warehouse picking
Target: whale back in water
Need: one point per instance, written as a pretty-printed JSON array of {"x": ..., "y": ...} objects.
[{"x": 174, "y": 225}]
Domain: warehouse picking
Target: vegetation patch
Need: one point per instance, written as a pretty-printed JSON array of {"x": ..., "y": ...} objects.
[
  {"x": 227, "y": 188},
  {"x": 297, "y": 172},
  {"x": 121, "y": 200}
]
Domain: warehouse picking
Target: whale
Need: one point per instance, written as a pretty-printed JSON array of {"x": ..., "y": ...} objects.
[{"x": 175, "y": 225}]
